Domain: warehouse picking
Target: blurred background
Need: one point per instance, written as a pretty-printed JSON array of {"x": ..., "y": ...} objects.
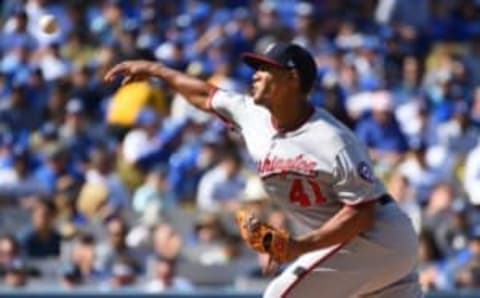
[{"x": 107, "y": 188}]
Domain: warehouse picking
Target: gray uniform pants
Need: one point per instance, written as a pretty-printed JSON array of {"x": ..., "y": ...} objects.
[{"x": 361, "y": 268}]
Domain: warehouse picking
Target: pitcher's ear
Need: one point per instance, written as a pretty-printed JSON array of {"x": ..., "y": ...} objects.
[{"x": 293, "y": 75}]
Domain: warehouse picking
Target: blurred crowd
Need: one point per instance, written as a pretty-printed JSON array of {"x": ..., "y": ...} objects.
[{"x": 113, "y": 186}]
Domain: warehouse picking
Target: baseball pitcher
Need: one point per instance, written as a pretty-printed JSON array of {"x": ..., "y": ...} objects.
[{"x": 351, "y": 239}]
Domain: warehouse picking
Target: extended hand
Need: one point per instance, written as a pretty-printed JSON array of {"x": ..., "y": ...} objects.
[{"x": 132, "y": 70}]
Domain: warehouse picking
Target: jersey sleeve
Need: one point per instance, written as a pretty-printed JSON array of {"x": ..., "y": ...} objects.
[
  {"x": 228, "y": 106},
  {"x": 354, "y": 181}
]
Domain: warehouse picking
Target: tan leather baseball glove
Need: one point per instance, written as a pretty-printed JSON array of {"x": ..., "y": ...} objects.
[{"x": 262, "y": 237}]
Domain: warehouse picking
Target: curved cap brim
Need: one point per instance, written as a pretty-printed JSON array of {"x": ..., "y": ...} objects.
[{"x": 255, "y": 60}]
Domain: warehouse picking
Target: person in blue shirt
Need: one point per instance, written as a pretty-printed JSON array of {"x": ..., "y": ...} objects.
[
  {"x": 17, "y": 180},
  {"x": 18, "y": 114},
  {"x": 462, "y": 270},
  {"x": 187, "y": 167},
  {"x": 55, "y": 166},
  {"x": 75, "y": 132},
  {"x": 381, "y": 132},
  {"x": 19, "y": 36}
]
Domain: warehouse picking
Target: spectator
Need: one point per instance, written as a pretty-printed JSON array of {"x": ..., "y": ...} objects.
[
  {"x": 455, "y": 232},
  {"x": 116, "y": 248},
  {"x": 57, "y": 102},
  {"x": 399, "y": 187},
  {"x": 18, "y": 113},
  {"x": 143, "y": 140},
  {"x": 154, "y": 195},
  {"x": 429, "y": 259},
  {"x": 475, "y": 110},
  {"x": 83, "y": 265},
  {"x": 188, "y": 165},
  {"x": 70, "y": 220},
  {"x": 74, "y": 132},
  {"x": 472, "y": 175},
  {"x": 44, "y": 137},
  {"x": 17, "y": 35},
  {"x": 414, "y": 118},
  {"x": 462, "y": 268},
  {"x": 15, "y": 64},
  {"x": 222, "y": 186},
  {"x": 209, "y": 229},
  {"x": 166, "y": 279},
  {"x": 71, "y": 276},
  {"x": 37, "y": 90},
  {"x": 469, "y": 277},
  {"x": 101, "y": 171},
  {"x": 123, "y": 273},
  {"x": 57, "y": 165},
  {"x": 421, "y": 174},
  {"x": 6, "y": 144},
  {"x": 9, "y": 251},
  {"x": 16, "y": 274},
  {"x": 458, "y": 135},
  {"x": 210, "y": 244},
  {"x": 42, "y": 240},
  {"x": 409, "y": 87},
  {"x": 53, "y": 65},
  {"x": 438, "y": 215},
  {"x": 18, "y": 180},
  {"x": 167, "y": 242},
  {"x": 332, "y": 100},
  {"x": 381, "y": 131},
  {"x": 87, "y": 91}
]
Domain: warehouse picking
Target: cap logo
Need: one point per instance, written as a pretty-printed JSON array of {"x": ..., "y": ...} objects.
[
  {"x": 365, "y": 172},
  {"x": 270, "y": 47},
  {"x": 290, "y": 63}
]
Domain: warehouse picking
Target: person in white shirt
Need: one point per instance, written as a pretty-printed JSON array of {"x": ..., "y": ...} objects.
[
  {"x": 143, "y": 139},
  {"x": 166, "y": 278},
  {"x": 425, "y": 167}
]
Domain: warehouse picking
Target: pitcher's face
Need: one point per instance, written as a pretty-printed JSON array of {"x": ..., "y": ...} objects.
[{"x": 269, "y": 82}]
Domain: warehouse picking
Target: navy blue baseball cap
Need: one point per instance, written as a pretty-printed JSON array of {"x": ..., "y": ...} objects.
[{"x": 287, "y": 56}]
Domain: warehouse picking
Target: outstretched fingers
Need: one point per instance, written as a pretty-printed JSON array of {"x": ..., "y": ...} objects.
[
  {"x": 134, "y": 78},
  {"x": 119, "y": 69}
]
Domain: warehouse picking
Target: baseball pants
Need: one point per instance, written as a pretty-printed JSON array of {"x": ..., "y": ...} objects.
[{"x": 359, "y": 269}]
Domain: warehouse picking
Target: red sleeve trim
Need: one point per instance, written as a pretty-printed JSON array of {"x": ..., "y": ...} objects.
[
  {"x": 211, "y": 109},
  {"x": 211, "y": 93}
]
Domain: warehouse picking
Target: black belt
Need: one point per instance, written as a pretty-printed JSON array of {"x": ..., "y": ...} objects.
[{"x": 385, "y": 199}]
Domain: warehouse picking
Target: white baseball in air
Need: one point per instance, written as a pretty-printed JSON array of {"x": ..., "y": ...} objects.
[{"x": 48, "y": 24}]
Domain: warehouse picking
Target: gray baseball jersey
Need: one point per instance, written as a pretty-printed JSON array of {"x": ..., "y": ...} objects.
[{"x": 312, "y": 172}]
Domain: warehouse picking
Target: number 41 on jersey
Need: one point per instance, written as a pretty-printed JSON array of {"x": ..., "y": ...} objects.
[{"x": 299, "y": 196}]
